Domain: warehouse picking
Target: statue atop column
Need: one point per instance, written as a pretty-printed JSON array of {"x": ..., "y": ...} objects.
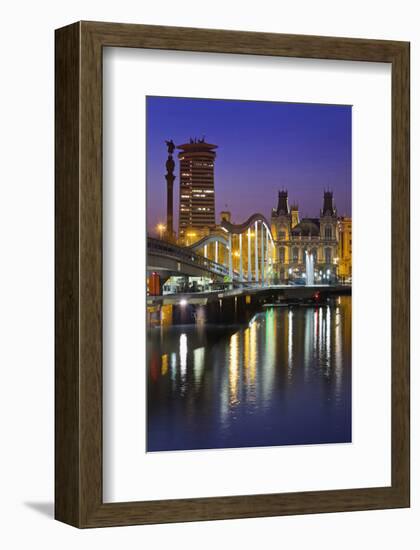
[{"x": 171, "y": 146}]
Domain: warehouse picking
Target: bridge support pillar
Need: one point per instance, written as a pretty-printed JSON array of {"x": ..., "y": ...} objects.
[
  {"x": 249, "y": 256},
  {"x": 262, "y": 255},
  {"x": 240, "y": 258},
  {"x": 256, "y": 252},
  {"x": 230, "y": 258}
]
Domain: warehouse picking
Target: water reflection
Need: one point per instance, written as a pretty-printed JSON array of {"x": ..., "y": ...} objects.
[
  {"x": 290, "y": 344},
  {"x": 164, "y": 368},
  {"x": 233, "y": 369},
  {"x": 173, "y": 366},
  {"x": 284, "y": 379},
  {"x": 199, "y": 354}
]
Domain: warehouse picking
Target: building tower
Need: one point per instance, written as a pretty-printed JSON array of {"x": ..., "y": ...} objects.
[
  {"x": 281, "y": 228},
  {"x": 225, "y": 215},
  {"x": 328, "y": 208},
  {"x": 196, "y": 188},
  {"x": 283, "y": 203},
  {"x": 328, "y": 225},
  {"x": 294, "y": 215}
]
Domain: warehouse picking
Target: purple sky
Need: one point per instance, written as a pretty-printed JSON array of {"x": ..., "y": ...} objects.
[{"x": 262, "y": 147}]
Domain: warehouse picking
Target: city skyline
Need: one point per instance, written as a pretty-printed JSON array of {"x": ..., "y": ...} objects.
[
  {"x": 305, "y": 148},
  {"x": 248, "y": 312}
]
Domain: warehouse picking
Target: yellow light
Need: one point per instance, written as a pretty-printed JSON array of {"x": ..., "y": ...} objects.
[
  {"x": 236, "y": 254},
  {"x": 164, "y": 368}
]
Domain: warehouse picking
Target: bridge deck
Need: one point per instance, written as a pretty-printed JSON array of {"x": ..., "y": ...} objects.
[{"x": 288, "y": 291}]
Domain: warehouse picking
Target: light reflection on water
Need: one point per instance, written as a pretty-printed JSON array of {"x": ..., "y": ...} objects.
[{"x": 283, "y": 379}]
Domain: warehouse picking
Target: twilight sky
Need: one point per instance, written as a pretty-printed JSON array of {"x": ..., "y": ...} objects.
[{"x": 262, "y": 147}]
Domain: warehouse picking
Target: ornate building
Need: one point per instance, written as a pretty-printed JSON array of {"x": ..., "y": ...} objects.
[{"x": 296, "y": 239}]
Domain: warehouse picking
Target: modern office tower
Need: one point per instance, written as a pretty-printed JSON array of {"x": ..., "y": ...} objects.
[{"x": 196, "y": 189}]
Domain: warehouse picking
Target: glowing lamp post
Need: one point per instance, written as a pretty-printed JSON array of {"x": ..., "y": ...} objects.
[{"x": 161, "y": 229}]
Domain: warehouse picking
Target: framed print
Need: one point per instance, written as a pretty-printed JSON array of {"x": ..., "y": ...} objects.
[{"x": 232, "y": 274}]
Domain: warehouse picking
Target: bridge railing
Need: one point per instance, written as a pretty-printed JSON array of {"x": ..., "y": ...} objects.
[{"x": 179, "y": 253}]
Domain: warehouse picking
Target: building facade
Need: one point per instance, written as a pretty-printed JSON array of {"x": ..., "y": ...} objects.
[
  {"x": 196, "y": 190},
  {"x": 297, "y": 239},
  {"x": 345, "y": 249}
]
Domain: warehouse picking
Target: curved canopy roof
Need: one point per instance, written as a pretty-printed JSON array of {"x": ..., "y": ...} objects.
[
  {"x": 234, "y": 228},
  {"x": 212, "y": 238}
]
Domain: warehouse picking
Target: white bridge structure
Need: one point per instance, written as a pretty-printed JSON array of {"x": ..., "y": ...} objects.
[{"x": 250, "y": 246}]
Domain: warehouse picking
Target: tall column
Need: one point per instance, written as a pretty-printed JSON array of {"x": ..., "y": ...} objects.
[
  {"x": 240, "y": 257},
  {"x": 249, "y": 256},
  {"x": 256, "y": 252},
  {"x": 169, "y": 176},
  {"x": 230, "y": 258},
  {"x": 262, "y": 254},
  {"x": 216, "y": 252}
]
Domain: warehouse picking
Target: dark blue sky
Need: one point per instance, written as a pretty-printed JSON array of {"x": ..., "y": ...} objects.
[{"x": 262, "y": 147}]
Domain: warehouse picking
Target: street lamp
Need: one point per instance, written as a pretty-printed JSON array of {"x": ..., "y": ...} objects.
[{"x": 161, "y": 228}]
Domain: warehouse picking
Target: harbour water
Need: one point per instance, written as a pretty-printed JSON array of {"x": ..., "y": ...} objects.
[{"x": 284, "y": 378}]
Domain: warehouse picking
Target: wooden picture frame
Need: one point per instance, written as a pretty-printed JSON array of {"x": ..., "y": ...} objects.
[{"x": 78, "y": 344}]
